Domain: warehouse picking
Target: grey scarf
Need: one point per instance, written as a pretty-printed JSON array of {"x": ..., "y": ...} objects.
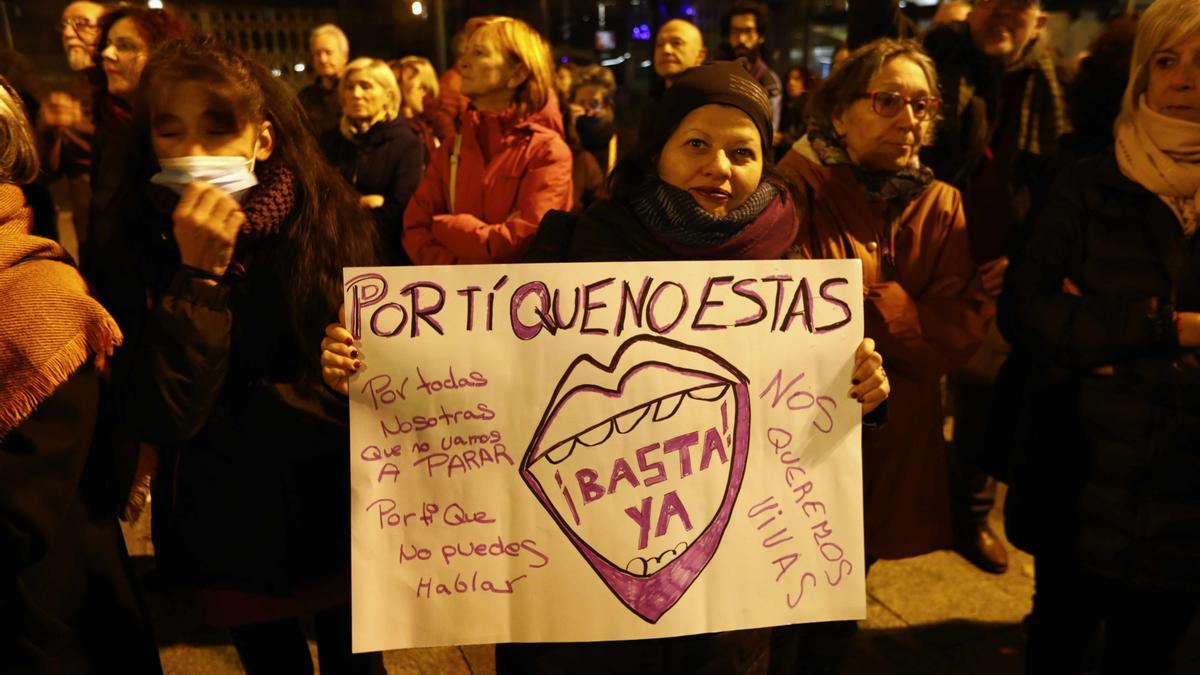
[{"x": 672, "y": 214}]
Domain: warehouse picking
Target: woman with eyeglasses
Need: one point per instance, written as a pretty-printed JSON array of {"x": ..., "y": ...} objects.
[
  {"x": 864, "y": 194},
  {"x": 128, "y": 35}
]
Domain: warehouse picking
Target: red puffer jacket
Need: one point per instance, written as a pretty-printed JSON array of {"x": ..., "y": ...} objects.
[{"x": 511, "y": 171}]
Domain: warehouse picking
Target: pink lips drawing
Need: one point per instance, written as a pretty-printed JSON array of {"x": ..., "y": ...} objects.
[{"x": 640, "y": 462}]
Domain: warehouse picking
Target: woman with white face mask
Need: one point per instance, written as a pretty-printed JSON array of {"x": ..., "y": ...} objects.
[
  {"x": 376, "y": 149},
  {"x": 235, "y": 247}
]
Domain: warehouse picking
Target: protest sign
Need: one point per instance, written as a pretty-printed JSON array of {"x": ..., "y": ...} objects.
[{"x": 578, "y": 452}]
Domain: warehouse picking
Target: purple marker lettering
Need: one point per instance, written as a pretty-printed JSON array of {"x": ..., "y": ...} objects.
[
  {"x": 826, "y": 287},
  {"x": 588, "y": 306},
  {"x": 705, "y": 303},
  {"x": 469, "y": 293},
  {"x": 652, "y": 319},
  {"x": 638, "y": 304},
  {"x": 427, "y": 312}
]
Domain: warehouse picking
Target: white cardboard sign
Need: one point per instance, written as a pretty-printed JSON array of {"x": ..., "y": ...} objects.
[{"x": 574, "y": 452}]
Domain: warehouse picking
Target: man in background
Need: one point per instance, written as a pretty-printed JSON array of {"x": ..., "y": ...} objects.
[
  {"x": 330, "y": 52},
  {"x": 678, "y": 46},
  {"x": 743, "y": 30},
  {"x": 64, "y": 120}
]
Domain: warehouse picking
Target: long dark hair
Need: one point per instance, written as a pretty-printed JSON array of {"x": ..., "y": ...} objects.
[{"x": 326, "y": 229}]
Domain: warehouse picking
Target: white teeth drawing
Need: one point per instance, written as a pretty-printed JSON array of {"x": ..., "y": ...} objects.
[
  {"x": 627, "y": 422},
  {"x": 596, "y": 435},
  {"x": 639, "y": 462},
  {"x": 561, "y": 451},
  {"x": 646, "y": 566},
  {"x": 666, "y": 407},
  {"x": 710, "y": 393}
]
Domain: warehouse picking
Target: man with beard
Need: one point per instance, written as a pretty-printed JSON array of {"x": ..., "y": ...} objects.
[
  {"x": 64, "y": 120},
  {"x": 1004, "y": 111},
  {"x": 742, "y": 30},
  {"x": 330, "y": 53}
]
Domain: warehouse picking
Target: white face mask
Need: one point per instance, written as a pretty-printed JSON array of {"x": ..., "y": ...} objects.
[{"x": 232, "y": 174}]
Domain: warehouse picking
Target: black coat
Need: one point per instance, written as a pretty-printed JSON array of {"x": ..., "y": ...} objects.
[
  {"x": 67, "y": 598},
  {"x": 1111, "y": 468},
  {"x": 322, "y": 106},
  {"x": 387, "y": 160},
  {"x": 252, "y": 493}
]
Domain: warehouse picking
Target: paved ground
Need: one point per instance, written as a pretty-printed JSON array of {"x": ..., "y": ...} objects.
[{"x": 935, "y": 614}]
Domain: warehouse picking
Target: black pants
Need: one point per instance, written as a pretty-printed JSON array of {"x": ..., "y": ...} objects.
[
  {"x": 1138, "y": 629},
  {"x": 280, "y": 647},
  {"x": 971, "y": 485}
]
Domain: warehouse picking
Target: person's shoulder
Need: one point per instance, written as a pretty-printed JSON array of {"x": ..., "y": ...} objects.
[
  {"x": 310, "y": 91},
  {"x": 547, "y": 141},
  {"x": 801, "y": 170},
  {"x": 946, "y": 40},
  {"x": 332, "y": 140},
  {"x": 397, "y": 130}
]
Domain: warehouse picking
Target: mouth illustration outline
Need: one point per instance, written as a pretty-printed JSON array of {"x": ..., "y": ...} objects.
[{"x": 651, "y": 595}]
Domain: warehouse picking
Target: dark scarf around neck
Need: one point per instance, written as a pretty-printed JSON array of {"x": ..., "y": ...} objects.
[
  {"x": 901, "y": 186},
  {"x": 763, "y": 227}
]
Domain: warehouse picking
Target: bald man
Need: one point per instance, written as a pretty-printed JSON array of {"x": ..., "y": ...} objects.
[{"x": 678, "y": 46}]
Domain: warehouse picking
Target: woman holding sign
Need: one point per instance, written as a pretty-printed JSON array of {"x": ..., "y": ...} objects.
[
  {"x": 699, "y": 188},
  {"x": 486, "y": 190},
  {"x": 235, "y": 248}
]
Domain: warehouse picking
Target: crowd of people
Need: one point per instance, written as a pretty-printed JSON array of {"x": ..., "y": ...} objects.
[{"x": 1025, "y": 226}]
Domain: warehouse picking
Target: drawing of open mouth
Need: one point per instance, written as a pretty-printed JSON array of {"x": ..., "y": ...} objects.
[{"x": 640, "y": 461}]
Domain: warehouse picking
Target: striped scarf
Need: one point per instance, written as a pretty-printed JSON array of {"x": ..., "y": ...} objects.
[
  {"x": 673, "y": 215},
  {"x": 51, "y": 326},
  {"x": 1040, "y": 125}
]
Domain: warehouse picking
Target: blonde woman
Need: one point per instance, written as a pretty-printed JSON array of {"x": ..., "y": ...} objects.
[
  {"x": 376, "y": 149},
  {"x": 418, "y": 85},
  {"x": 1107, "y": 299},
  {"x": 488, "y": 187}
]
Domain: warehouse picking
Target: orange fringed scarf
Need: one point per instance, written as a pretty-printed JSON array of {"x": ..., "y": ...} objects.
[{"x": 49, "y": 325}]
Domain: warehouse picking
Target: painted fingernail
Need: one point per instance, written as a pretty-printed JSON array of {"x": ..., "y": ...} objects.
[
  {"x": 349, "y": 342},
  {"x": 357, "y": 365},
  {"x": 354, "y": 355},
  {"x": 854, "y": 381}
]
